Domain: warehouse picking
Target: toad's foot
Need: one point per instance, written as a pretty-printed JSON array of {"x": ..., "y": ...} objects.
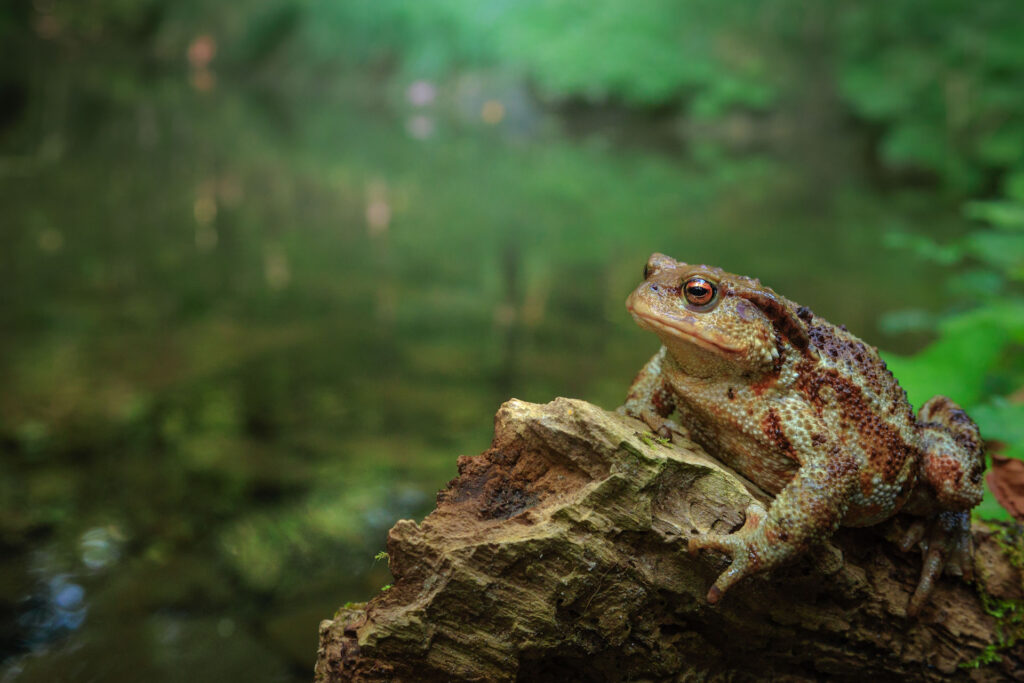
[
  {"x": 745, "y": 548},
  {"x": 805, "y": 512},
  {"x": 662, "y": 427},
  {"x": 946, "y": 544}
]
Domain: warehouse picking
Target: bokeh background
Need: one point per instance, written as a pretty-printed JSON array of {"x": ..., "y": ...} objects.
[{"x": 269, "y": 266}]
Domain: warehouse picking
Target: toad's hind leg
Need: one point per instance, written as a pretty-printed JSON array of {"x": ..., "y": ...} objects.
[
  {"x": 946, "y": 544},
  {"x": 806, "y": 511},
  {"x": 953, "y": 460},
  {"x": 952, "y": 464}
]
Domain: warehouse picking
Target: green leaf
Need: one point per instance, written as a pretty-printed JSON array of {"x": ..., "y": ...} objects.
[
  {"x": 1002, "y": 420},
  {"x": 908, "y": 320},
  {"x": 956, "y": 365},
  {"x": 924, "y": 247},
  {"x": 1004, "y": 214},
  {"x": 1014, "y": 185},
  {"x": 989, "y": 508},
  {"x": 968, "y": 282},
  {"x": 1004, "y": 250}
]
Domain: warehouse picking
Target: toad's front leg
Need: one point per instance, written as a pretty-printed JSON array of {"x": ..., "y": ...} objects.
[
  {"x": 650, "y": 399},
  {"x": 806, "y": 511}
]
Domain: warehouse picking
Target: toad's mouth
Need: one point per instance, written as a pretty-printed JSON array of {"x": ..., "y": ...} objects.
[{"x": 683, "y": 329}]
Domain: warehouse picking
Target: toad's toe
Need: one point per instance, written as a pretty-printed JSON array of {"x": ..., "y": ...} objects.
[{"x": 948, "y": 547}]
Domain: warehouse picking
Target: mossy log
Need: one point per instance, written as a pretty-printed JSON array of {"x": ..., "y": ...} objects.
[{"x": 560, "y": 555}]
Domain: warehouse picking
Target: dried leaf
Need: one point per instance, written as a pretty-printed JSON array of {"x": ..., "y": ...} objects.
[{"x": 1006, "y": 480}]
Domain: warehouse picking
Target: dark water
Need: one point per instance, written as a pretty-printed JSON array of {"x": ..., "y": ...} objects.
[{"x": 244, "y": 330}]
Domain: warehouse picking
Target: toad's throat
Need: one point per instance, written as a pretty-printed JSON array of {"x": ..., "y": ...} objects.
[{"x": 681, "y": 330}]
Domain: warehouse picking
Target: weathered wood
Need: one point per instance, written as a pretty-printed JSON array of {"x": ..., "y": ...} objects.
[{"x": 559, "y": 555}]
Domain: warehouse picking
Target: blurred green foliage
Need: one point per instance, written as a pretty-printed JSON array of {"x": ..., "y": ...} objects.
[
  {"x": 976, "y": 358},
  {"x": 940, "y": 82},
  {"x": 943, "y": 80}
]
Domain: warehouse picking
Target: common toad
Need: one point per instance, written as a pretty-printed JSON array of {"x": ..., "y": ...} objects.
[{"x": 808, "y": 412}]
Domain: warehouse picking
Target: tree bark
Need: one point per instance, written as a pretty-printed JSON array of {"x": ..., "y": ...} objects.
[{"x": 560, "y": 555}]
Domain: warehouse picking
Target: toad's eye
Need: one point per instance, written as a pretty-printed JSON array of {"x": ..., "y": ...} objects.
[{"x": 698, "y": 291}]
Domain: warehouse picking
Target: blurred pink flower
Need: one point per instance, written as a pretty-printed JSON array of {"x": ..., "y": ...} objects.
[
  {"x": 378, "y": 209},
  {"x": 421, "y": 93},
  {"x": 201, "y": 51},
  {"x": 203, "y": 80},
  {"x": 420, "y": 127}
]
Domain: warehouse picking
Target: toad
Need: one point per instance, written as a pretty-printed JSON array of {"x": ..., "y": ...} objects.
[{"x": 808, "y": 412}]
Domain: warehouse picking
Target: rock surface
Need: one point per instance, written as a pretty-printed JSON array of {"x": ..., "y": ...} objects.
[{"x": 560, "y": 555}]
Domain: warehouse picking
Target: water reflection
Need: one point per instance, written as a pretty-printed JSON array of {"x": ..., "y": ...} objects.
[
  {"x": 51, "y": 605},
  {"x": 255, "y": 328},
  {"x": 101, "y": 547},
  {"x": 51, "y": 613}
]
